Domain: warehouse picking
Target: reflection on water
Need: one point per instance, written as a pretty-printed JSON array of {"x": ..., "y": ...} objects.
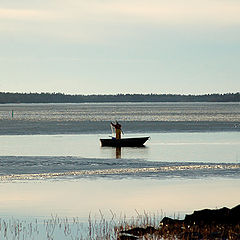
[
  {"x": 118, "y": 152},
  {"x": 80, "y": 197},
  {"x": 134, "y": 117},
  {"x": 122, "y": 111},
  {"x": 223, "y": 147},
  {"x": 125, "y": 152}
]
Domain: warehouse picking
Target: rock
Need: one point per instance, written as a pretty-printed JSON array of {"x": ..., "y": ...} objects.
[
  {"x": 216, "y": 216},
  {"x": 138, "y": 231},
  {"x": 191, "y": 235},
  {"x": 234, "y": 215},
  {"x": 127, "y": 237},
  {"x": 223, "y": 223},
  {"x": 170, "y": 221}
]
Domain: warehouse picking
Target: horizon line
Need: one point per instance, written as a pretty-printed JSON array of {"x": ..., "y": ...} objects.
[{"x": 121, "y": 94}]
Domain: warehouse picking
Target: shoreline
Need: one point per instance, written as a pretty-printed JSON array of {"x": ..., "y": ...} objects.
[{"x": 223, "y": 223}]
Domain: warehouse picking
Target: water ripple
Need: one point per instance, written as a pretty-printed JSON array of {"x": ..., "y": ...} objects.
[{"x": 44, "y": 168}]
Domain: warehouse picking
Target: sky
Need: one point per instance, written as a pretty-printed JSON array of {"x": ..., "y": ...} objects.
[{"x": 127, "y": 46}]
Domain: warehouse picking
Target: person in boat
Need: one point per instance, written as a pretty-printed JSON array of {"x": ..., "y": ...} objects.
[{"x": 118, "y": 129}]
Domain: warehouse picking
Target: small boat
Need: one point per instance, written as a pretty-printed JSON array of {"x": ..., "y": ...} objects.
[{"x": 124, "y": 142}]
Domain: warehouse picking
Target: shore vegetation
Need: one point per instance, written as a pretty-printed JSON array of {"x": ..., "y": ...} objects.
[
  {"x": 218, "y": 224},
  {"x": 8, "y": 97}
]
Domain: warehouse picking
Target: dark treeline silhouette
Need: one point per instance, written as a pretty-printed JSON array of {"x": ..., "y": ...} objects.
[{"x": 6, "y": 97}]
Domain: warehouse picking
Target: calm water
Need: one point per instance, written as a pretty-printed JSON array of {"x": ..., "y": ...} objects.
[
  {"x": 204, "y": 140},
  {"x": 183, "y": 155},
  {"x": 51, "y": 161}
]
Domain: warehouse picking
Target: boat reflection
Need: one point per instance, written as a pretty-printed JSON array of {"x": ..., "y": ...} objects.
[
  {"x": 125, "y": 152},
  {"x": 118, "y": 152}
]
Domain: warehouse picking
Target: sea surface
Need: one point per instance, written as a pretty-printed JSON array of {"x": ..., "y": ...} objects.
[
  {"x": 51, "y": 160},
  {"x": 22, "y": 119},
  {"x": 38, "y": 140}
]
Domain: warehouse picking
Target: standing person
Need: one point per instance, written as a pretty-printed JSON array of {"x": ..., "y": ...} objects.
[{"x": 118, "y": 129}]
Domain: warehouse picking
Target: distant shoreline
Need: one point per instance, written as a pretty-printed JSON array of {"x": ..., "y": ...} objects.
[{"x": 8, "y": 97}]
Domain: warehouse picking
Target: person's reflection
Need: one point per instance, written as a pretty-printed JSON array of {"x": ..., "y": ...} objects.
[{"x": 118, "y": 152}]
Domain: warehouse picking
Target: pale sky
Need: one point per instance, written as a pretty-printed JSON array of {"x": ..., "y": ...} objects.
[{"x": 128, "y": 46}]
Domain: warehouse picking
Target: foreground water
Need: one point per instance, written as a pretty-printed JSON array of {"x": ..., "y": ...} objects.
[
  {"x": 51, "y": 161},
  {"x": 72, "y": 175},
  {"x": 190, "y": 155}
]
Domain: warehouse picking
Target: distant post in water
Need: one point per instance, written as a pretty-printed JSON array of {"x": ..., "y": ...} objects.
[{"x": 118, "y": 129}]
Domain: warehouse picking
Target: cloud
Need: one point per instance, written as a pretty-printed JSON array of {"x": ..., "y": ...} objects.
[
  {"x": 100, "y": 21},
  {"x": 155, "y": 11},
  {"x": 24, "y": 14},
  {"x": 172, "y": 12}
]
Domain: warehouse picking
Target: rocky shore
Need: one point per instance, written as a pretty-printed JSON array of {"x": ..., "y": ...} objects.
[{"x": 219, "y": 224}]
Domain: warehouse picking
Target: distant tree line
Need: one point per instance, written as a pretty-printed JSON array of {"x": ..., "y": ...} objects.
[{"x": 7, "y": 97}]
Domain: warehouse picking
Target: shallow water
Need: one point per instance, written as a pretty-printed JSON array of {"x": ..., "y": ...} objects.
[
  {"x": 200, "y": 147},
  {"x": 73, "y": 203},
  {"x": 77, "y": 156},
  {"x": 51, "y": 161},
  {"x": 78, "y": 198}
]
